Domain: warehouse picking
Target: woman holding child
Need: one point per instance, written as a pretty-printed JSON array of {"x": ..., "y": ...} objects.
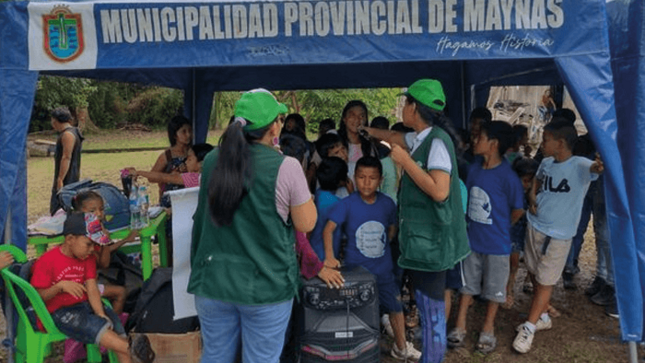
[
  {"x": 432, "y": 229},
  {"x": 244, "y": 267}
]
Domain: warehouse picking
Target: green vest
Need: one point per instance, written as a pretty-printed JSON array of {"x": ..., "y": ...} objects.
[
  {"x": 432, "y": 235},
  {"x": 252, "y": 261}
]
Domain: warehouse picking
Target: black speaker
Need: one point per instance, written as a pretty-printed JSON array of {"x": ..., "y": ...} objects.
[{"x": 339, "y": 325}]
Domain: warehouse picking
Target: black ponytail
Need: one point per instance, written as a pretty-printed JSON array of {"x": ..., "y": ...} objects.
[
  {"x": 439, "y": 119},
  {"x": 230, "y": 179}
]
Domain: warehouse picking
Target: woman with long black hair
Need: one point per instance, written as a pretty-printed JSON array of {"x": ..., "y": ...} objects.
[
  {"x": 244, "y": 267},
  {"x": 432, "y": 227},
  {"x": 353, "y": 118}
]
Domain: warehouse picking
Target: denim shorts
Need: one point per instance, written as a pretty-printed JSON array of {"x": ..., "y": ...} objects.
[
  {"x": 389, "y": 295},
  {"x": 80, "y": 323}
]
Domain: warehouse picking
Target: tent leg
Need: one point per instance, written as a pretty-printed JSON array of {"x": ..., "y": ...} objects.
[
  {"x": 8, "y": 302},
  {"x": 633, "y": 353}
]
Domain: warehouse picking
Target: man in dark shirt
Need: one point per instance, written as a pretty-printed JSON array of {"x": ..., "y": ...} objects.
[{"x": 68, "y": 154}]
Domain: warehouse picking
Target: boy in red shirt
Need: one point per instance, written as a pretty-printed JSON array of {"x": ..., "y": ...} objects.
[{"x": 65, "y": 278}]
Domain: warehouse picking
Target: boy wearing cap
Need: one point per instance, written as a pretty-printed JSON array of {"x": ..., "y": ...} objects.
[
  {"x": 432, "y": 229},
  {"x": 65, "y": 278}
]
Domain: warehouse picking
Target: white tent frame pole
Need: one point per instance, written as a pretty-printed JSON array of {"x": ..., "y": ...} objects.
[{"x": 633, "y": 352}]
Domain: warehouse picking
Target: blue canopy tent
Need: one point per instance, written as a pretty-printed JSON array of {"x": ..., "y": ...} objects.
[
  {"x": 209, "y": 46},
  {"x": 627, "y": 42}
]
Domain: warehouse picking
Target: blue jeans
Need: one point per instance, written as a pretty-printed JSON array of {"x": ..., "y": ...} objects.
[
  {"x": 81, "y": 324},
  {"x": 594, "y": 202},
  {"x": 604, "y": 263},
  {"x": 262, "y": 329}
]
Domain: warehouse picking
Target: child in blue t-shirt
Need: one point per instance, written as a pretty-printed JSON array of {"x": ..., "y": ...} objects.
[
  {"x": 495, "y": 203},
  {"x": 563, "y": 181},
  {"x": 331, "y": 175},
  {"x": 368, "y": 218}
]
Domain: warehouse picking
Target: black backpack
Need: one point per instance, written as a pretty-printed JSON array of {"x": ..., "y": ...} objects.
[
  {"x": 123, "y": 273},
  {"x": 155, "y": 310},
  {"x": 117, "y": 206}
]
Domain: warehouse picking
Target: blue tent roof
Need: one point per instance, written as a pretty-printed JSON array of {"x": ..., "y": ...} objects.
[{"x": 208, "y": 46}]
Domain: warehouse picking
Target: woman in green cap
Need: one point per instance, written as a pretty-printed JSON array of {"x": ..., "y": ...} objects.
[
  {"x": 432, "y": 227},
  {"x": 244, "y": 268}
]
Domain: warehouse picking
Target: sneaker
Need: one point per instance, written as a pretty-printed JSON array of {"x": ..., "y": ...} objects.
[
  {"x": 541, "y": 324},
  {"x": 409, "y": 353},
  {"x": 612, "y": 310},
  {"x": 567, "y": 281},
  {"x": 387, "y": 326},
  {"x": 140, "y": 349},
  {"x": 605, "y": 296},
  {"x": 523, "y": 340},
  {"x": 595, "y": 286}
]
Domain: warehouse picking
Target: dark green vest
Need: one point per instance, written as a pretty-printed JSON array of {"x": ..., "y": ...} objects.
[
  {"x": 432, "y": 235},
  {"x": 252, "y": 261}
]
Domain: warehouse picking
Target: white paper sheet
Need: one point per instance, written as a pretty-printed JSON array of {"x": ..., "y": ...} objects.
[{"x": 184, "y": 204}]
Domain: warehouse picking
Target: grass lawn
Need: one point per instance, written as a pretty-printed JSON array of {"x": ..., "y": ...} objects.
[{"x": 103, "y": 167}]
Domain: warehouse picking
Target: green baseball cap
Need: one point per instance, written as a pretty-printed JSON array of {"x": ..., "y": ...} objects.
[
  {"x": 429, "y": 92},
  {"x": 259, "y": 107}
]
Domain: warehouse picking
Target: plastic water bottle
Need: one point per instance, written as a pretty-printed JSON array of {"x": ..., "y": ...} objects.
[
  {"x": 135, "y": 214},
  {"x": 144, "y": 203}
]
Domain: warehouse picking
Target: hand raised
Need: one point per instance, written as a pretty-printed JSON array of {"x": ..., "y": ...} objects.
[{"x": 598, "y": 166}]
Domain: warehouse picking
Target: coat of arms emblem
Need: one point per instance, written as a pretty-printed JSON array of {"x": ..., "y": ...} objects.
[{"x": 63, "y": 34}]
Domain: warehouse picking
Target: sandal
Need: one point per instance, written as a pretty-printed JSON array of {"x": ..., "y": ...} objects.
[
  {"x": 553, "y": 312},
  {"x": 487, "y": 343},
  {"x": 456, "y": 338}
]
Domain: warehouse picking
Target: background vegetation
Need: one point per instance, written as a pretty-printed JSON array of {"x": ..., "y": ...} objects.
[{"x": 114, "y": 105}]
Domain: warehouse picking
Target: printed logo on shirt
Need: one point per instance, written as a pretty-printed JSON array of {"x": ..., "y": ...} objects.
[
  {"x": 562, "y": 187},
  {"x": 479, "y": 207},
  {"x": 371, "y": 239}
]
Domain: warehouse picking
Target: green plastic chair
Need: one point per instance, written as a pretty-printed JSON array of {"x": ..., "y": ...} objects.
[{"x": 32, "y": 346}]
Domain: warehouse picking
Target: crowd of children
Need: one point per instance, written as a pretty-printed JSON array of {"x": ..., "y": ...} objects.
[
  {"x": 515, "y": 206},
  {"x": 511, "y": 198}
]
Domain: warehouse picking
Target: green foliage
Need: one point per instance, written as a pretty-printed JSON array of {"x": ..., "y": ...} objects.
[
  {"x": 318, "y": 105},
  {"x": 107, "y": 106},
  {"x": 222, "y": 110},
  {"x": 155, "y": 106},
  {"x": 62, "y": 91},
  {"x": 55, "y": 92},
  {"x": 314, "y": 105},
  {"x": 113, "y": 104}
]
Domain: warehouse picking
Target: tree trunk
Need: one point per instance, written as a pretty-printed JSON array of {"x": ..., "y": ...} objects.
[{"x": 83, "y": 120}]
